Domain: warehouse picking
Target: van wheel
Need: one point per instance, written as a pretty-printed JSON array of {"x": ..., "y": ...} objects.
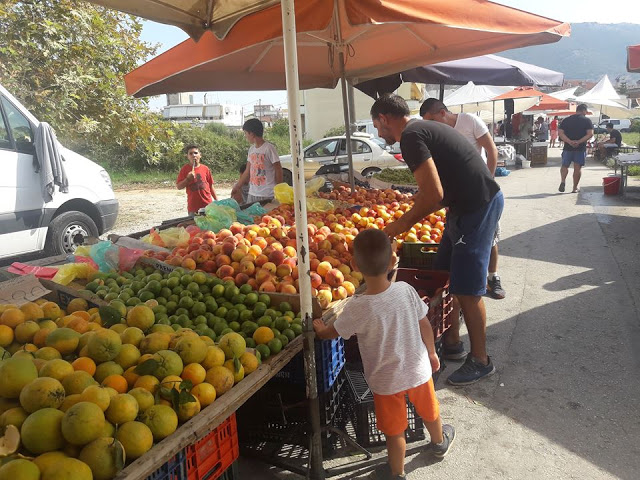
[
  {"x": 67, "y": 231},
  {"x": 287, "y": 176},
  {"x": 369, "y": 172}
]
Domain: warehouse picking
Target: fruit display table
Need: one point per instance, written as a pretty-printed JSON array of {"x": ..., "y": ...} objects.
[{"x": 625, "y": 161}]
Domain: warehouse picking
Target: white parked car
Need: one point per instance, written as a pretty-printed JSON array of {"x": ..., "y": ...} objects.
[
  {"x": 369, "y": 155},
  {"x": 29, "y": 223}
]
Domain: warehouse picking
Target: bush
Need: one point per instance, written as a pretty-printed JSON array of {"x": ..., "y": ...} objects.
[
  {"x": 335, "y": 131},
  {"x": 635, "y": 125}
]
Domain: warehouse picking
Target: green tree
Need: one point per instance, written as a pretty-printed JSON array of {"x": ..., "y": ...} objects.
[{"x": 65, "y": 60}]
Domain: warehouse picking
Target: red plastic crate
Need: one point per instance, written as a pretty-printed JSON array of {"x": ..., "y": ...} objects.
[
  {"x": 434, "y": 285},
  {"x": 210, "y": 457}
]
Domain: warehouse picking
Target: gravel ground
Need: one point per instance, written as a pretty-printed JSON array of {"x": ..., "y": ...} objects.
[{"x": 143, "y": 208}]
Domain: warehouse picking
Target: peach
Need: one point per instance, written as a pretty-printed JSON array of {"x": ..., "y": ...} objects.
[
  {"x": 276, "y": 257},
  {"x": 325, "y": 245},
  {"x": 313, "y": 263},
  {"x": 349, "y": 287},
  {"x": 261, "y": 260},
  {"x": 255, "y": 250},
  {"x": 224, "y": 233},
  {"x": 316, "y": 280},
  {"x": 247, "y": 267},
  {"x": 334, "y": 277},
  {"x": 253, "y": 283},
  {"x": 288, "y": 288},
  {"x": 270, "y": 267},
  {"x": 267, "y": 287},
  {"x": 344, "y": 269},
  {"x": 292, "y": 262},
  {"x": 238, "y": 254},
  {"x": 262, "y": 276},
  {"x": 283, "y": 270},
  {"x": 216, "y": 249},
  {"x": 236, "y": 228},
  {"x": 324, "y": 298},
  {"x": 323, "y": 268},
  {"x": 223, "y": 260},
  {"x": 209, "y": 266},
  {"x": 228, "y": 248},
  {"x": 224, "y": 271},
  {"x": 188, "y": 263},
  {"x": 289, "y": 251},
  {"x": 241, "y": 279},
  {"x": 352, "y": 280}
]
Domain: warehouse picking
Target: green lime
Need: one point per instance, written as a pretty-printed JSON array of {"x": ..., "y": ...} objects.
[
  {"x": 193, "y": 287},
  {"x": 219, "y": 326},
  {"x": 145, "y": 295},
  {"x": 246, "y": 289},
  {"x": 284, "y": 307},
  {"x": 230, "y": 291},
  {"x": 184, "y": 320},
  {"x": 281, "y": 323},
  {"x": 271, "y": 312},
  {"x": 173, "y": 282},
  {"x": 165, "y": 292},
  {"x": 232, "y": 315},
  {"x": 235, "y": 326},
  {"x": 258, "y": 309},
  {"x": 186, "y": 280},
  {"x": 251, "y": 299},
  {"x": 211, "y": 304},
  {"x": 221, "y": 312},
  {"x": 161, "y": 301},
  {"x": 251, "y": 343},
  {"x": 218, "y": 291},
  {"x": 177, "y": 290},
  {"x": 275, "y": 345},
  {"x": 284, "y": 340},
  {"x": 264, "y": 298},
  {"x": 265, "y": 321},
  {"x": 174, "y": 298},
  {"x": 199, "y": 308},
  {"x": 264, "y": 351},
  {"x": 132, "y": 302},
  {"x": 238, "y": 299},
  {"x": 200, "y": 278},
  {"x": 225, "y": 331},
  {"x": 186, "y": 302},
  {"x": 182, "y": 311},
  {"x": 228, "y": 305},
  {"x": 124, "y": 296},
  {"x": 297, "y": 329},
  {"x": 154, "y": 287},
  {"x": 249, "y": 327},
  {"x": 200, "y": 320},
  {"x": 159, "y": 309},
  {"x": 289, "y": 333},
  {"x": 246, "y": 315},
  {"x": 163, "y": 321}
]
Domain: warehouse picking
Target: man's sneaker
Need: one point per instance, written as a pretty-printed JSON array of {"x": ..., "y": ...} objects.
[
  {"x": 561, "y": 187},
  {"x": 383, "y": 472},
  {"x": 495, "y": 288},
  {"x": 440, "y": 450},
  {"x": 453, "y": 352},
  {"x": 471, "y": 371}
]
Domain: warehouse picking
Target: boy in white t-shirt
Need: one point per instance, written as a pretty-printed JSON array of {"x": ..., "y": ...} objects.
[
  {"x": 264, "y": 170},
  {"x": 397, "y": 348}
]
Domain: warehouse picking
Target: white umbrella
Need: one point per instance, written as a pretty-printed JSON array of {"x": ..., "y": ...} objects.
[
  {"x": 565, "y": 94},
  {"x": 605, "y": 97}
]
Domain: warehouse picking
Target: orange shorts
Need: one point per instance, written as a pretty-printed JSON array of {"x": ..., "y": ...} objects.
[{"x": 391, "y": 410}]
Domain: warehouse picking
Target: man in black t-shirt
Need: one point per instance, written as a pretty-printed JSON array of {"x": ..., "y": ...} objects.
[
  {"x": 574, "y": 131},
  {"x": 613, "y": 141},
  {"x": 450, "y": 173}
]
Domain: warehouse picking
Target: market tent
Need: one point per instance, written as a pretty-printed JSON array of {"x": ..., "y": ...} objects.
[
  {"x": 565, "y": 94},
  {"x": 605, "y": 97},
  {"x": 633, "y": 58},
  {"x": 546, "y": 101},
  {"x": 482, "y": 70},
  {"x": 480, "y": 99}
]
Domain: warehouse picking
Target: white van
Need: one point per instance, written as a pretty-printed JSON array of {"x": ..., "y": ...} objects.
[
  {"x": 623, "y": 125},
  {"x": 27, "y": 222}
]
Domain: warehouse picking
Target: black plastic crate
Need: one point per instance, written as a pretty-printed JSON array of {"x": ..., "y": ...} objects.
[
  {"x": 280, "y": 413},
  {"x": 230, "y": 473},
  {"x": 418, "y": 255},
  {"x": 359, "y": 411}
]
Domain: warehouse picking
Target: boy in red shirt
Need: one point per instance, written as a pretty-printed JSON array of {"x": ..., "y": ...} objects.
[{"x": 198, "y": 181}]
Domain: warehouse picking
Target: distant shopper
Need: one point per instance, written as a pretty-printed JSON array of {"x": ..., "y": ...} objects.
[
  {"x": 264, "y": 171},
  {"x": 197, "y": 179},
  {"x": 243, "y": 193},
  {"x": 397, "y": 347},
  {"x": 575, "y": 131},
  {"x": 541, "y": 129},
  {"x": 553, "y": 130},
  {"x": 474, "y": 130},
  {"x": 613, "y": 141},
  {"x": 449, "y": 172}
]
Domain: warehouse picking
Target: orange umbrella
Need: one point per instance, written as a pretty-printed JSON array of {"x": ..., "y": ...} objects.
[
  {"x": 377, "y": 38},
  {"x": 546, "y": 102},
  {"x": 633, "y": 58}
]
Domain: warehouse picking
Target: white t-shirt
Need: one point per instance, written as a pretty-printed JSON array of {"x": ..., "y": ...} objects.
[
  {"x": 393, "y": 354},
  {"x": 262, "y": 173},
  {"x": 472, "y": 128}
]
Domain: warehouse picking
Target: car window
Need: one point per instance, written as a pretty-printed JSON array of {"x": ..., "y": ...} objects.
[
  {"x": 5, "y": 141},
  {"x": 357, "y": 146},
  {"x": 20, "y": 128},
  {"x": 322, "y": 149}
]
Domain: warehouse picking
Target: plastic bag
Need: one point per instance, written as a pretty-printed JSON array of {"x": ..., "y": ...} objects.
[
  {"x": 247, "y": 215},
  {"x": 313, "y": 185},
  {"x": 70, "y": 271},
  {"x": 319, "y": 205},
  {"x": 128, "y": 257},
  {"x": 283, "y": 193},
  {"x": 216, "y": 217},
  {"x": 169, "y": 238},
  {"x": 106, "y": 255}
]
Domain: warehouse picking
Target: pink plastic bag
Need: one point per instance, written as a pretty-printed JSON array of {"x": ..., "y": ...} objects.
[{"x": 129, "y": 257}]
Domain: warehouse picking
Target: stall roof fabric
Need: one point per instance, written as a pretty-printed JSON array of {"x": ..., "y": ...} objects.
[
  {"x": 547, "y": 102},
  {"x": 633, "y": 58}
]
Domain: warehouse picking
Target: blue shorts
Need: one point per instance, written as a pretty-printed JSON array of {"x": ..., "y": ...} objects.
[
  {"x": 465, "y": 247},
  {"x": 579, "y": 157}
]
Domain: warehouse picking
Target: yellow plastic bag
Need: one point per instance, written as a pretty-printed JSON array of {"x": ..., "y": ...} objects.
[
  {"x": 313, "y": 185},
  {"x": 170, "y": 238},
  {"x": 83, "y": 251},
  {"x": 283, "y": 193},
  {"x": 315, "y": 204},
  {"x": 69, "y": 272}
]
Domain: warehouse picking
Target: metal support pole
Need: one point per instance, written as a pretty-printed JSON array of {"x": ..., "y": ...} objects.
[
  {"x": 441, "y": 91},
  {"x": 302, "y": 237},
  {"x": 347, "y": 128},
  {"x": 352, "y": 106}
]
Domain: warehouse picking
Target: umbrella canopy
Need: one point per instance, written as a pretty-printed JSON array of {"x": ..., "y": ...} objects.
[
  {"x": 633, "y": 58},
  {"x": 564, "y": 94},
  {"x": 546, "y": 102},
  {"x": 368, "y": 32},
  {"x": 605, "y": 97},
  {"x": 482, "y": 70}
]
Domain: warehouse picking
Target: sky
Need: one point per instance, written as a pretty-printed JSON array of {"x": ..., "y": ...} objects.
[{"x": 572, "y": 11}]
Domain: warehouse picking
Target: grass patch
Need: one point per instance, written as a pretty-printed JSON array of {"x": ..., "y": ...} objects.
[
  {"x": 158, "y": 178},
  {"x": 631, "y": 138}
]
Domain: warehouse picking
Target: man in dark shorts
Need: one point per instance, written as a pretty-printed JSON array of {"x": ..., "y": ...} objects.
[
  {"x": 450, "y": 173},
  {"x": 575, "y": 131}
]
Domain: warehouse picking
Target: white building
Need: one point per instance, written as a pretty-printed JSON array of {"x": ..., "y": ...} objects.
[{"x": 181, "y": 109}]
